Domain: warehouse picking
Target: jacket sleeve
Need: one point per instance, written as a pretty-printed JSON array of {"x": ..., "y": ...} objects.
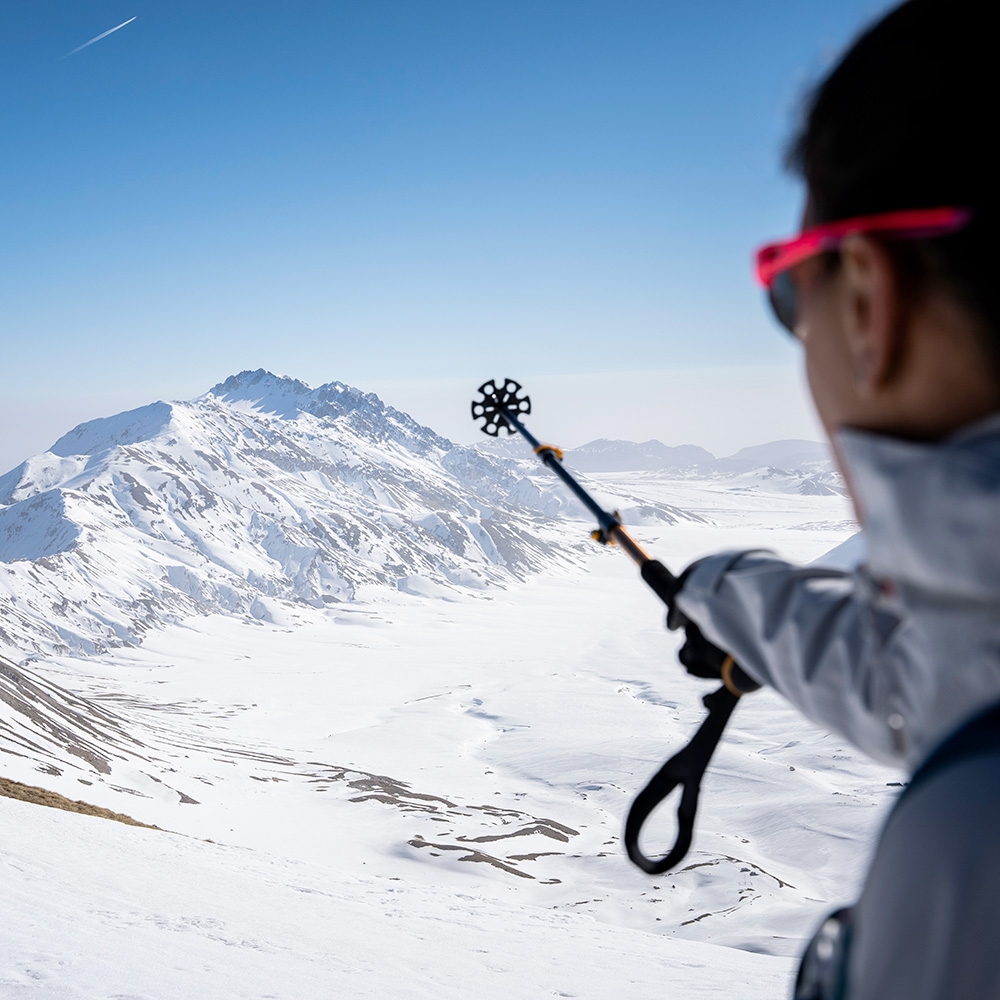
[{"x": 813, "y": 634}]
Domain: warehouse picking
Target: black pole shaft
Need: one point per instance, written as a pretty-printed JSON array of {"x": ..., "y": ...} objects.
[
  {"x": 608, "y": 522},
  {"x": 686, "y": 767}
]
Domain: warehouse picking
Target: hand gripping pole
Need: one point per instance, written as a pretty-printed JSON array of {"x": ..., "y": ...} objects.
[{"x": 501, "y": 406}]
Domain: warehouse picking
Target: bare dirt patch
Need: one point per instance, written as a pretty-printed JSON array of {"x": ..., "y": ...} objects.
[{"x": 43, "y": 797}]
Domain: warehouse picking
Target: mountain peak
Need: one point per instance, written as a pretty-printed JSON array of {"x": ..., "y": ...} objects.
[
  {"x": 263, "y": 392},
  {"x": 270, "y": 393}
]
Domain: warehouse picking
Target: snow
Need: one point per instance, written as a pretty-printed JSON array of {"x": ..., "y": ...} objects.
[
  {"x": 235, "y": 923},
  {"x": 105, "y": 433},
  {"x": 395, "y": 793}
]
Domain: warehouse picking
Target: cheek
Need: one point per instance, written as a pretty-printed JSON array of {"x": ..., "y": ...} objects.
[
  {"x": 817, "y": 377},
  {"x": 827, "y": 371}
]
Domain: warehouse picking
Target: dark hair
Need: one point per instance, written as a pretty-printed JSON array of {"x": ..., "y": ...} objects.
[{"x": 907, "y": 119}]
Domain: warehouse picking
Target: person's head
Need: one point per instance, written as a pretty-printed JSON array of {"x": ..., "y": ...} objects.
[{"x": 902, "y": 334}]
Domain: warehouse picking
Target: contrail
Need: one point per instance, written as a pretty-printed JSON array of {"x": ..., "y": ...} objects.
[{"x": 97, "y": 38}]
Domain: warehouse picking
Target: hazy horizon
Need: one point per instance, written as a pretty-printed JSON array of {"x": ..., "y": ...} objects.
[{"x": 726, "y": 397}]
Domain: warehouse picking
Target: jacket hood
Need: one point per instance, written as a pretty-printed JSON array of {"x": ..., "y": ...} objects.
[{"x": 931, "y": 512}]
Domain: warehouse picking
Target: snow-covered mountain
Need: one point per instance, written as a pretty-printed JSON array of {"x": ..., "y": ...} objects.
[{"x": 259, "y": 494}]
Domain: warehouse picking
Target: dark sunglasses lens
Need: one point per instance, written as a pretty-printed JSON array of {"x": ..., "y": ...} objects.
[{"x": 784, "y": 298}]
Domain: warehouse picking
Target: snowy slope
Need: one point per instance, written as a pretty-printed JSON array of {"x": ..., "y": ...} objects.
[
  {"x": 488, "y": 748},
  {"x": 230, "y": 923}
]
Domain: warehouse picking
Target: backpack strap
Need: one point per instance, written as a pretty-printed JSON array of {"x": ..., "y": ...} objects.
[
  {"x": 823, "y": 970},
  {"x": 980, "y": 735}
]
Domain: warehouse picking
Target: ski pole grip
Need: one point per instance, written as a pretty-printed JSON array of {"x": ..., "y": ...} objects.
[
  {"x": 666, "y": 586},
  {"x": 684, "y": 769},
  {"x": 662, "y": 582}
]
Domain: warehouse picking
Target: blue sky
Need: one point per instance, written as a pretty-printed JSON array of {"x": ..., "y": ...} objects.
[{"x": 407, "y": 196}]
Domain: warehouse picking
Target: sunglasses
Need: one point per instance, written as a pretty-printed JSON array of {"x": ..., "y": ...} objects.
[{"x": 775, "y": 261}]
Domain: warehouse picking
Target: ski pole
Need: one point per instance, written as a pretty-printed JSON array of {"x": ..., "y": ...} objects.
[{"x": 500, "y": 405}]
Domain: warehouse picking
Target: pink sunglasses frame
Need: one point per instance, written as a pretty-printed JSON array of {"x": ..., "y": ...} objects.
[{"x": 920, "y": 223}]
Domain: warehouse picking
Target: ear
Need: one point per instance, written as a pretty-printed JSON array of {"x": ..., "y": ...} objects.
[{"x": 872, "y": 312}]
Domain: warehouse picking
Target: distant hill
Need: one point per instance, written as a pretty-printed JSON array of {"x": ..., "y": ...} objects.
[
  {"x": 803, "y": 467},
  {"x": 627, "y": 456},
  {"x": 790, "y": 456},
  {"x": 605, "y": 455}
]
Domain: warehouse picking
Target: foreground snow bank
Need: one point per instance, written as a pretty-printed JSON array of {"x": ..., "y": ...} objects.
[{"x": 95, "y": 909}]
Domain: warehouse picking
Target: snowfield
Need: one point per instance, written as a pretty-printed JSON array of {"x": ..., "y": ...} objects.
[{"x": 415, "y": 789}]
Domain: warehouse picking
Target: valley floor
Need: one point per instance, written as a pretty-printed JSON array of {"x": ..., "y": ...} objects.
[{"x": 420, "y": 797}]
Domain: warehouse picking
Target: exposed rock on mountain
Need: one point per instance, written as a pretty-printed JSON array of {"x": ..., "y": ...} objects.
[{"x": 58, "y": 730}]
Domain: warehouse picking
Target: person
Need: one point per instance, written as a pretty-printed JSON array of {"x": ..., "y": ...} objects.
[{"x": 892, "y": 290}]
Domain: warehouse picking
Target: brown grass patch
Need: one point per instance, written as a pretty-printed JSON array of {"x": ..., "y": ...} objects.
[{"x": 43, "y": 797}]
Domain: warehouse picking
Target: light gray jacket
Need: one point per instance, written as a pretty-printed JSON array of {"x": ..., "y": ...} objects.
[
  {"x": 898, "y": 653},
  {"x": 895, "y": 656}
]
